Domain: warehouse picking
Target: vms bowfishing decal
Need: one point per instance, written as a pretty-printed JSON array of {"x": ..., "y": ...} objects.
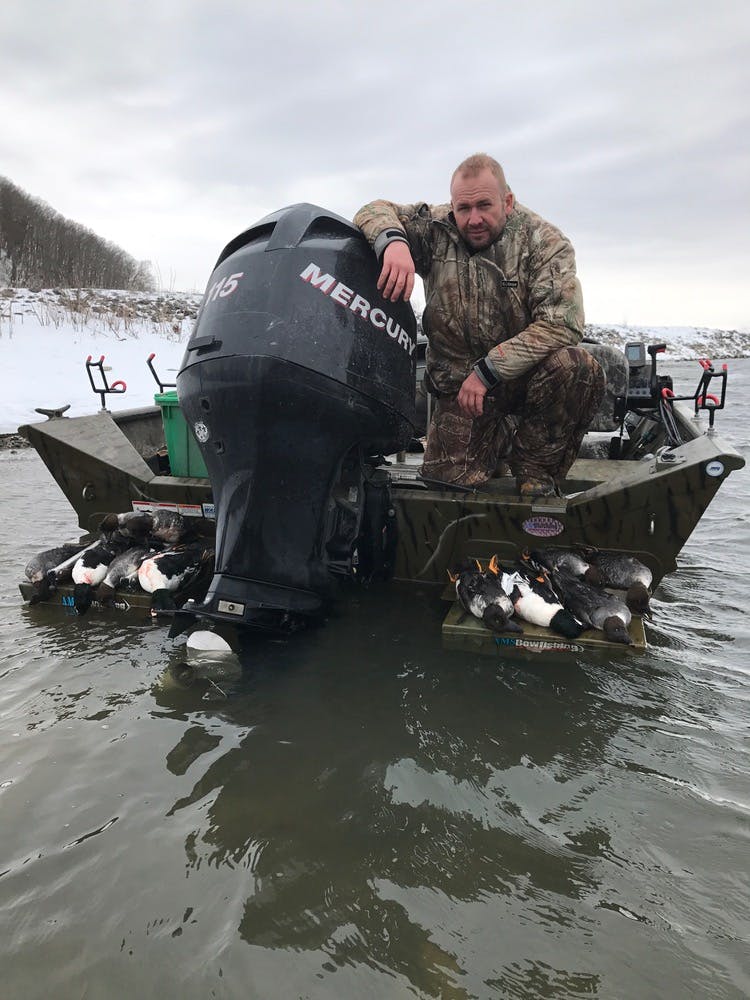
[{"x": 539, "y": 645}]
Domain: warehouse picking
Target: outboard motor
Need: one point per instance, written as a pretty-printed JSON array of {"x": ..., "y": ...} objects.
[{"x": 297, "y": 376}]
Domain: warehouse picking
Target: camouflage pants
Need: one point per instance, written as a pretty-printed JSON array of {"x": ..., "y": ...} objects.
[{"x": 536, "y": 423}]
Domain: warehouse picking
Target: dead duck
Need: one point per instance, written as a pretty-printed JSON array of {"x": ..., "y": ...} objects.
[
  {"x": 165, "y": 573},
  {"x": 481, "y": 594},
  {"x": 566, "y": 559},
  {"x": 166, "y": 526},
  {"x": 594, "y": 606},
  {"x": 169, "y": 526},
  {"x": 63, "y": 571},
  {"x": 123, "y": 571},
  {"x": 42, "y": 563},
  {"x": 90, "y": 569},
  {"x": 624, "y": 572},
  {"x": 536, "y": 602},
  {"x": 133, "y": 524}
]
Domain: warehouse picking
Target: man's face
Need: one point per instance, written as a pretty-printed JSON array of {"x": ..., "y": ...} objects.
[{"x": 480, "y": 208}]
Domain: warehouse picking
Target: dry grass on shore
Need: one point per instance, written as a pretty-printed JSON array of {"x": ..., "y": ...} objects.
[{"x": 121, "y": 314}]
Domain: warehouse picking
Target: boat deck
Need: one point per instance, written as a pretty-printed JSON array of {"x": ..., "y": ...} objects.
[
  {"x": 138, "y": 602},
  {"x": 462, "y": 631}
]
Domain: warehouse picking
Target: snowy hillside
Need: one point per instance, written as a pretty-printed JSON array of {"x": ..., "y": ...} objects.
[
  {"x": 684, "y": 343},
  {"x": 46, "y": 336}
]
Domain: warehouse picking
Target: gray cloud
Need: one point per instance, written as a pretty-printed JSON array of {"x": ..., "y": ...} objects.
[{"x": 170, "y": 126}]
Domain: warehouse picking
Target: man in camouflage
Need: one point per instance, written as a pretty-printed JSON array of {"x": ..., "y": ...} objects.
[{"x": 503, "y": 316}]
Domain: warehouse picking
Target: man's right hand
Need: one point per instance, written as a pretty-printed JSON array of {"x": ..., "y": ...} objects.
[{"x": 397, "y": 275}]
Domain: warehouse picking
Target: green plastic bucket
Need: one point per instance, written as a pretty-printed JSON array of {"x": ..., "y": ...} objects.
[{"x": 185, "y": 458}]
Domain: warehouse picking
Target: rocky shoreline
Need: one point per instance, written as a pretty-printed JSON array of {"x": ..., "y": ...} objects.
[{"x": 13, "y": 442}]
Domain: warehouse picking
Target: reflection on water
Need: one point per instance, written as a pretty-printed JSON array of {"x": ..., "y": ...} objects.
[
  {"x": 361, "y": 813},
  {"x": 361, "y": 800}
]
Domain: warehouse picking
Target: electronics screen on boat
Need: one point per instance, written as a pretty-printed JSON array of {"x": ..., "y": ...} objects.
[{"x": 636, "y": 354}]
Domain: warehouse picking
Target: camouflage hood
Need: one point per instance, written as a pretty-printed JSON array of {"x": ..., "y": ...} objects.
[{"x": 514, "y": 302}]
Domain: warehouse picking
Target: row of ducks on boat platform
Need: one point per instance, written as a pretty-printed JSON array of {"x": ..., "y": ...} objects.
[
  {"x": 159, "y": 552},
  {"x": 559, "y": 589}
]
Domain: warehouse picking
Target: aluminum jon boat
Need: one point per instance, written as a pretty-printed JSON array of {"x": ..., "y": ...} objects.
[{"x": 296, "y": 422}]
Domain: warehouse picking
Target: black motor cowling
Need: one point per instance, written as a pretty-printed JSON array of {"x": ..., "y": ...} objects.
[{"x": 297, "y": 374}]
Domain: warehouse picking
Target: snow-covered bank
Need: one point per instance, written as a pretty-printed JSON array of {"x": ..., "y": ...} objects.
[
  {"x": 684, "y": 343},
  {"x": 46, "y": 336}
]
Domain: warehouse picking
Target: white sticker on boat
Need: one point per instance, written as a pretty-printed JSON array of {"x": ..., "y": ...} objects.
[
  {"x": 209, "y": 510},
  {"x": 231, "y": 607},
  {"x": 715, "y": 468},
  {"x": 201, "y": 431},
  {"x": 543, "y": 526}
]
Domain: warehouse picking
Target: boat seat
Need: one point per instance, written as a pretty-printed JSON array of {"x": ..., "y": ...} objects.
[{"x": 615, "y": 367}]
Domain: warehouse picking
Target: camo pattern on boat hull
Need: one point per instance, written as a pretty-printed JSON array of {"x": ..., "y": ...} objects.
[{"x": 648, "y": 509}]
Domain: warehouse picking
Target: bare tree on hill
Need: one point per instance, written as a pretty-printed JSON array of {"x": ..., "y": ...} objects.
[{"x": 40, "y": 248}]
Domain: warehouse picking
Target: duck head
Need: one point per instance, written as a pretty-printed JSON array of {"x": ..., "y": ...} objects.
[
  {"x": 161, "y": 600},
  {"x": 637, "y": 599},
  {"x": 615, "y": 631},
  {"x": 497, "y": 620},
  {"x": 564, "y": 623},
  {"x": 82, "y": 597}
]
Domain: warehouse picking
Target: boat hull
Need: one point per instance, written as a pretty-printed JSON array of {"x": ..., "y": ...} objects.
[{"x": 647, "y": 508}]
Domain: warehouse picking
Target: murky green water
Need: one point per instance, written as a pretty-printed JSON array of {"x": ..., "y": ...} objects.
[{"x": 365, "y": 814}]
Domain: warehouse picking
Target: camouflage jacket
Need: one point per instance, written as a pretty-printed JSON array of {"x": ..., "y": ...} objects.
[{"x": 514, "y": 302}]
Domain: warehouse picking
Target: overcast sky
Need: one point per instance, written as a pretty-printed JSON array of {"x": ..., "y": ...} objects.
[{"x": 168, "y": 127}]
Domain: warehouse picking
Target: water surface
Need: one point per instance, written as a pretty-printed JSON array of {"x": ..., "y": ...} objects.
[{"x": 365, "y": 814}]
